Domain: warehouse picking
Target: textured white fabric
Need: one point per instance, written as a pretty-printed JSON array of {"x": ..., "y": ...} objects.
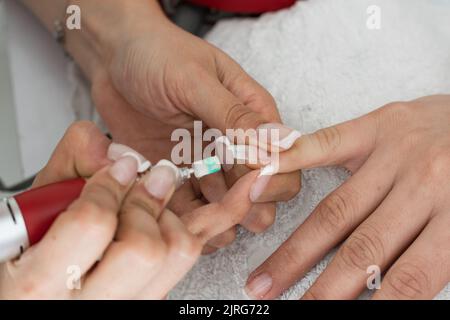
[{"x": 324, "y": 66}]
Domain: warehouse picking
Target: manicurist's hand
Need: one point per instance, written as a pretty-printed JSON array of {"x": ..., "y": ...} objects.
[
  {"x": 150, "y": 78},
  {"x": 156, "y": 78},
  {"x": 393, "y": 212},
  {"x": 116, "y": 241}
]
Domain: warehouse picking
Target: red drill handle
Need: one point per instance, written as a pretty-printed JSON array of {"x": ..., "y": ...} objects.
[
  {"x": 245, "y": 6},
  {"x": 41, "y": 206}
]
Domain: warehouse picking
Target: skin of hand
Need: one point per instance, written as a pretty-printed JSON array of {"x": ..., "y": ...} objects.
[
  {"x": 393, "y": 212},
  {"x": 144, "y": 248},
  {"x": 131, "y": 247},
  {"x": 149, "y": 78}
]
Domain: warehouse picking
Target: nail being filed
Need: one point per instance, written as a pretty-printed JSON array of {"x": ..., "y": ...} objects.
[
  {"x": 143, "y": 165},
  {"x": 287, "y": 142},
  {"x": 268, "y": 170},
  {"x": 199, "y": 169}
]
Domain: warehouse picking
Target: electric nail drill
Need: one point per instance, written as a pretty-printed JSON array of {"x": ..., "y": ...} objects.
[{"x": 26, "y": 217}]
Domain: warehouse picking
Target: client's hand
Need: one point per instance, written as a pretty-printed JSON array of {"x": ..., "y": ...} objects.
[
  {"x": 117, "y": 238},
  {"x": 393, "y": 213}
]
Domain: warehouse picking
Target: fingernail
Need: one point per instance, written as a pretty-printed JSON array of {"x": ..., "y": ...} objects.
[
  {"x": 224, "y": 153},
  {"x": 258, "y": 187},
  {"x": 279, "y": 135},
  {"x": 268, "y": 170},
  {"x": 117, "y": 151},
  {"x": 259, "y": 286},
  {"x": 124, "y": 170},
  {"x": 160, "y": 181}
]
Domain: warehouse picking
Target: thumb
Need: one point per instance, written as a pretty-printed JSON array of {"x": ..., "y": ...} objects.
[
  {"x": 347, "y": 144},
  {"x": 221, "y": 109}
]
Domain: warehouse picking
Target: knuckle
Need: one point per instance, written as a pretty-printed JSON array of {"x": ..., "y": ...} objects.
[
  {"x": 328, "y": 139},
  {"x": 265, "y": 219},
  {"x": 79, "y": 129},
  {"x": 78, "y": 136},
  {"x": 291, "y": 254},
  {"x": 142, "y": 251},
  {"x": 438, "y": 165},
  {"x": 134, "y": 202},
  {"x": 399, "y": 109},
  {"x": 395, "y": 113},
  {"x": 223, "y": 239},
  {"x": 186, "y": 246},
  {"x": 261, "y": 219},
  {"x": 408, "y": 281},
  {"x": 335, "y": 212},
  {"x": 290, "y": 187},
  {"x": 238, "y": 116},
  {"x": 94, "y": 220},
  {"x": 410, "y": 140},
  {"x": 104, "y": 192},
  {"x": 362, "y": 249}
]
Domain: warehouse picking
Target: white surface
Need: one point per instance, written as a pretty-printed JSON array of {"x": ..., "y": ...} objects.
[
  {"x": 42, "y": 90},
  {"x": 324, "y": 66},
  {"x": 11, "y": 169}
]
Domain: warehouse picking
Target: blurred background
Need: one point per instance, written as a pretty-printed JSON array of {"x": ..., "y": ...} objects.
[{"x": 33, "y": 85}]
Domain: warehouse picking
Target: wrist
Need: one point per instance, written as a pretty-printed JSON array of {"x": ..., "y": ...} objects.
[{"x": 106, "y": 26}]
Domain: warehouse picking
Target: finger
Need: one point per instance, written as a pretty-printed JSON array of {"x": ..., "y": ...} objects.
[
  {"x": 260, "y": 217},
  {"x": 185, "y": 200},
  {"x": 139, "y": 250},
  {"x": 215, "y": 218},
  {"x": 128, "y": 264},
  {"x": 336, "y": 216},
  {"x": 376, "y": 242},
  {"x": 422, "y": 271},
  {"x": 280, "y": 187},
  {"x": 207, "y": 249},
  {"x": 80, "y": 153},
  {"x": 234, "y": 173},
  {"x": 94, "y": 216},
  {"x": 224, "y": 239},
  {"x": 347, "y": 144},
  {"x": 247, "y": 89},
  {"x": 117, "y": 151},
  {"x": 183, "y": 250},
  {"x": 213, "y": 187},
  {"x": 150, "y": 195},
  {"x": 221, "y": 109}
]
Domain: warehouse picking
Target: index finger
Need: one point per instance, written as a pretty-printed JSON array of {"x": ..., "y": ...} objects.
[
  {"x": 215, "y": 218},
  {"x": 347, "y": 144}
]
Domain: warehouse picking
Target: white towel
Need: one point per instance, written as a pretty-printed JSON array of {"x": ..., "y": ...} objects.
[{"x": 323, "y": 66}]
